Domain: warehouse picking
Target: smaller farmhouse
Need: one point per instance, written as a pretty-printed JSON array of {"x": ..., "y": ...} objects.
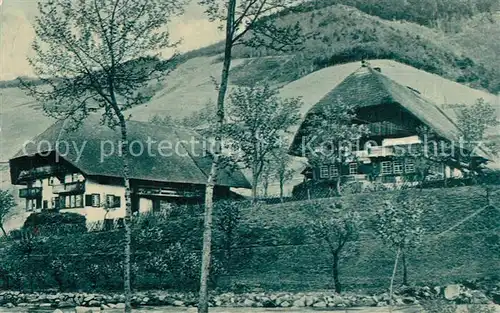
[
  {"x": 80, "y": 169},
  {"x": 394, "y": 114}
]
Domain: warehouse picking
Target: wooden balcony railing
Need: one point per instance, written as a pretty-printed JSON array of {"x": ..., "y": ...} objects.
[
  {"x": 32, "y": 192},
  {"x": 76, "y": 188}
]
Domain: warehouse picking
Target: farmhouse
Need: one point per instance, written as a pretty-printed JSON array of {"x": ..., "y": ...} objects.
[
  {"x": 79, "y": 169},
  {"x": 394, "y": 114}
]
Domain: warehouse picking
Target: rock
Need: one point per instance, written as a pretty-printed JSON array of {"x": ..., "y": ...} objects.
[
  {"x": 94, "y": 303},
  {"x": 300, "y": 302},
  {"x": 309, "y": 301},
  {"x": 9, "y": 305},
  {"x": 285, "y": 304},
  {"x": 451, "y": 292},
  {"x": 409, "y": 300},
  {"x": 248, "y": 303},
  {"x": 66, "y": 304},
  {"x": 57, "y": 311},
  {"x": 178, "y": 303},
  {"x": 320, "y": 304},
  {"x": 120, "y": 306}
]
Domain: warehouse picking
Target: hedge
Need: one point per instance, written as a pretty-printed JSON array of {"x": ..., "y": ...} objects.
[{"x": 270, "y": 247}]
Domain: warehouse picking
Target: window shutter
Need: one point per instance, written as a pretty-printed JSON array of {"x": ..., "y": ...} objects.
[
  {"x": 117, "y": 202},
  {"x": 88, "y": 200}
]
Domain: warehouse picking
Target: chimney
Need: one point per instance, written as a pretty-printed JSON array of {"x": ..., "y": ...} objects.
[{"x": 378, "y": 69}]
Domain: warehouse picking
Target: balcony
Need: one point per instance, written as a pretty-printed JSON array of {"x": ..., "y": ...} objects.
[
  {"x": 33, "y": 192},
  {"x": 40, "y": 172},
  {"x": 380, "y": 152},
  {"x": 69, "y": 188}
]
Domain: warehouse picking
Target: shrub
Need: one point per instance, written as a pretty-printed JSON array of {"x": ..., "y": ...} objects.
[{"x": 55, "y": 223}]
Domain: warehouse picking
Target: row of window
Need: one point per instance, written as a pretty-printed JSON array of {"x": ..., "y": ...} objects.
[
  {"x": 72, "y": 178},
  {"x": 386, "y": 168},
  {"x": 74, "y": 202},
  {"x": 331, "y": 171},
  {"x": 397, "y": 167}
]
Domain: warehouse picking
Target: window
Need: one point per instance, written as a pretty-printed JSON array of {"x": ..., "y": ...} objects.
[
  {"x": 397, "y": 167},
  {"x": 410, "y": 166},
  {"x": 74, "y": 177},
  {"x": 386, "y": 167},
  {"x": 96, "y": 200},
  {"x": 437, "y": 168},
  {"x": 79, "y": 201},
  {"x": 72, "y": 201},
  {"x": 51, "y": 181},
  {"x": 334, "y": 171},
  {"x": 323, "y": 172},
  {"x": 353, "y": 168},
  {"x": 110, "y": 201}
]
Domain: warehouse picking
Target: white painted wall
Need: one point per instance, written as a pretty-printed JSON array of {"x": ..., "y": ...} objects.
[
  {"x": 96, "y": 214},
  {"x": 145, "y": 205}
]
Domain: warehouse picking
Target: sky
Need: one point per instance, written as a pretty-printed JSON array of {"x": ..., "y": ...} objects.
[{"x": 16, "y": 34}]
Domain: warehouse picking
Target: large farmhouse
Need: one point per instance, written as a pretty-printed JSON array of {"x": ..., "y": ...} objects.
[
  {"x": 394, "y": 115},
  {"x": 79, "y": 170}
]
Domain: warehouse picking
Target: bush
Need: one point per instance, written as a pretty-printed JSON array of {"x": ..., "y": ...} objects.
[{"x": 55, "y": 223}]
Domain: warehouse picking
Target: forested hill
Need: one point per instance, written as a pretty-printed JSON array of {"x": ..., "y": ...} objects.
[
  {"x": 458, "y": 44},
  {"x": 433, "y": 13}
]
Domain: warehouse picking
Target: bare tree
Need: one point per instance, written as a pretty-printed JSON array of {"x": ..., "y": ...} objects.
[
  {"x": 7, "y": 203},
  {"x": 337, "y": 228},
  {"x": 239, "y": 18},
  {"x": 257, "y": 120},
  {"x": 98, "y": 53},
  {"x": 399, "y": 225}
]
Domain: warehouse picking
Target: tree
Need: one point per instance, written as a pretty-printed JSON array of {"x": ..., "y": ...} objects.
[
  {"x": 239, "y": 18},
  {"x": 399, "y": 225},
  {"x": 257, "y": 121},
  {"x": 7, "y": 203},
  {"x": 337, "y": 227},
  {"x": 474, "y": 122},
  {"x": 97, "y": 53},
  {"x": 332, "y": 134},
  {"x": 277, "y": 169}
]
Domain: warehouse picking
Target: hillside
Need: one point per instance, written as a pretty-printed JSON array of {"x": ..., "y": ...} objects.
[
  {"x": 344, "y": 34},
  {"x": 421, "y": 57}
]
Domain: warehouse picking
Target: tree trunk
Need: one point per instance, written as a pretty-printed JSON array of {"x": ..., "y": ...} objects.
[
  {"x": 339, "y": 192},
  {"x": 336, "y": 279},
  {"x": 128, "y": 215},
  {"x": 255, "y": 181},
  {"x": 391, "y": 287},
  {"x": 405, "y": 268},
  {"x": 3, "y": 230},
  {"x": 209, "y": 191},
  {"x": 207, "y": 246},
  {"x": 281, "y": 190},
  {"x": 266, "y": 186}
]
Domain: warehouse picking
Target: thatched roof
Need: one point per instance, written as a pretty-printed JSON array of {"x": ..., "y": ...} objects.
[
  {"x": 368, "y": 87},
  {"x": 184, "y": 160}
]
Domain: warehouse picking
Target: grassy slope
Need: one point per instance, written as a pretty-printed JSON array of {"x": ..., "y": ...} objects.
[
  {"x": 274, "y": 248},
  {"x": 339, "y": 29}
]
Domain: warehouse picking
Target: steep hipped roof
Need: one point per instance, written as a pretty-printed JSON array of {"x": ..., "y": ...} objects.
[
  {"x": 368, "y": 87},
  {"x": 170, "y": 154}
]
